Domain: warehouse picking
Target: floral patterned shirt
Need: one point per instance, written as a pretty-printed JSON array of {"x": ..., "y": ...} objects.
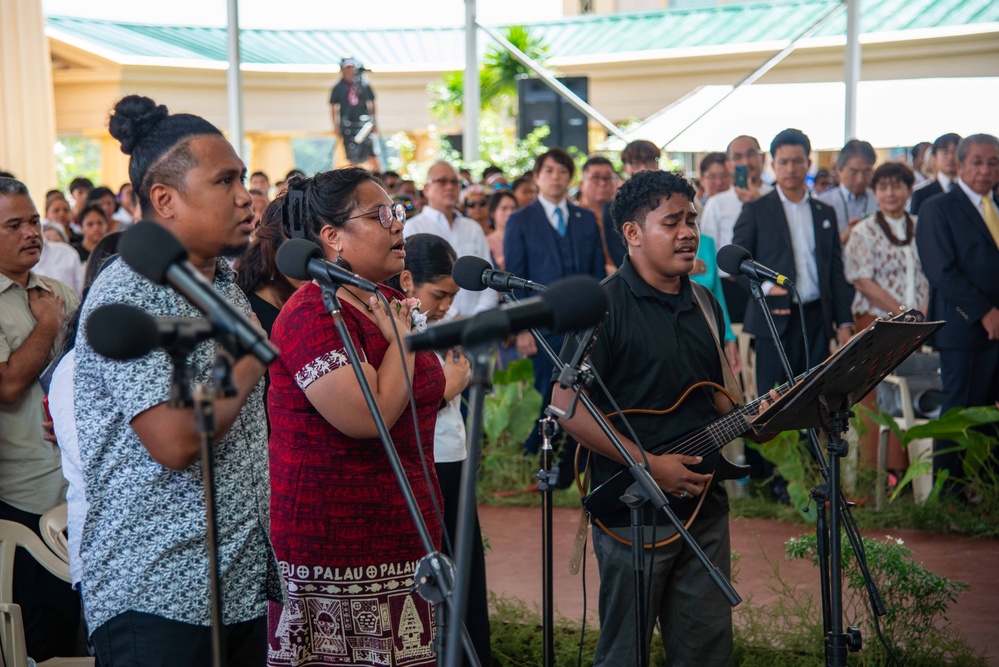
[
  {"x": 868, "y": 253},
  {"x": 144, "y": 538}
]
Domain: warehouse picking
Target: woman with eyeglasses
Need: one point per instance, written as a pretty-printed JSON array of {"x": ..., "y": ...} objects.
[
  {"x": 475, "y": 205},
  {"x": 339, "y": 524}
]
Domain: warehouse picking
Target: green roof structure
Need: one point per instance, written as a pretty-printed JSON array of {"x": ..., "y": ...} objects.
[{"x": 593, "y": 37}]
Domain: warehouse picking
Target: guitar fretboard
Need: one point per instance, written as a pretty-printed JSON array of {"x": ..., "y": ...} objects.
[{"x": 726, "y": 428}]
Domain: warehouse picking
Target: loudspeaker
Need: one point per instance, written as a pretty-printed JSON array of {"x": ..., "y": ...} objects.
[
  {"x": 456, "y": 141},
  {"x": 539, "y": 105}
]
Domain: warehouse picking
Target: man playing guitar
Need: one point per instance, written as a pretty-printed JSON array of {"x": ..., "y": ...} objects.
[{"x": 656, "y": 342}]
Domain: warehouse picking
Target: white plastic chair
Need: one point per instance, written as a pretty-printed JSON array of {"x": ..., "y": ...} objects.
[
  {"x": 12, "y": 644},
  {"x": 53, "y": 527},
  {"x": 917, "y": 450}
]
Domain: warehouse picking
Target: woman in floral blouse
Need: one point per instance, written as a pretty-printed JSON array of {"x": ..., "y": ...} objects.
[{"x": 881, "y": 262}]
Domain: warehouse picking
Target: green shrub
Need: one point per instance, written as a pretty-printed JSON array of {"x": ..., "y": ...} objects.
[
  {"x": 916, "y": 602},
  {"x": 510, "y": 414}
]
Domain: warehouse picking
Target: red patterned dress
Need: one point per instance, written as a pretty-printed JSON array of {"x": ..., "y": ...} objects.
[{"x": 346, "y": 544}]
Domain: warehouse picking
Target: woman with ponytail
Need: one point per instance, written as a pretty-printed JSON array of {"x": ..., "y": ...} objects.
[{"x": 340, "y": 526}]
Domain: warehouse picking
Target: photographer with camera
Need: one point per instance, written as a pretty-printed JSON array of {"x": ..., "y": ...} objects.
[{"x": 352, "y": 103}]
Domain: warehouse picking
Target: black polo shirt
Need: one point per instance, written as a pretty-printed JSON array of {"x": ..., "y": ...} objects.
[{"x": 652, "y": 347}]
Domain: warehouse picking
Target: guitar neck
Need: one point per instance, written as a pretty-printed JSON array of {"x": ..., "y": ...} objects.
[{"x": 723, "y": 430}]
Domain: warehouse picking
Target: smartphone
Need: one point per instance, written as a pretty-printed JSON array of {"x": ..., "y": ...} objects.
[{"x": 742, "y": 176}]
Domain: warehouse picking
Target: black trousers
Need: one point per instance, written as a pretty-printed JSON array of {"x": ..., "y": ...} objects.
[
  {"x": 736, "y": 299},
  {"x": 477, "y": 609},
  {"x": 137, "y": 639},
  {"x": 969, "y": 378},
  {"x": 49, "y": 606}
]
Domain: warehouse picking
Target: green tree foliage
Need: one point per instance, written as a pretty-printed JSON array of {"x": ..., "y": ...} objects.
[{"x": 497, "y": 77}]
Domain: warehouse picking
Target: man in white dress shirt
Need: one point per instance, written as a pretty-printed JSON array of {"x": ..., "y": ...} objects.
[
  {"x": 853, "y": 200},
  {"x": 723, "y": 209},
  {"x": 61, "y": 262},
  {"x": 440, "y": 217}
]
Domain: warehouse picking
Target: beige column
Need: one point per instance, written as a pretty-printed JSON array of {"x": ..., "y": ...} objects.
[
  {"x": 27, "y": 115},
  {"x": 114, "y": 163},
  {"x": 271, "y": 154}
]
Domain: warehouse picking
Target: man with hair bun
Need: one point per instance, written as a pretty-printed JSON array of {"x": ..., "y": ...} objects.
[{"x": 145, "y": 562}]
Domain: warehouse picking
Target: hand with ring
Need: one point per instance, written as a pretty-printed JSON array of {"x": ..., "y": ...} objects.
[{"x": 684, "y": 495}]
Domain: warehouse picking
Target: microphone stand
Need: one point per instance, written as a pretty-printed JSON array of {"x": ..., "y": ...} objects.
[
  {"x": 828, "y": 534},
  {"x": 479, "y": 341},
  {"x": 547, "y": 481},
  {"x": 643, "y": 490},
  {"x": 434, "y": 573},
  {"x": 202, "y": 401}
]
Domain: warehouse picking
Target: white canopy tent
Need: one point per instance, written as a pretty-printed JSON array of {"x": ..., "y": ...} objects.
[{"x": 889, "y": 113}]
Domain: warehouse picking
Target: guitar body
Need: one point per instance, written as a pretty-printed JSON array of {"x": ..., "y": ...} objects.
[
  {"x": 705, "y": 442},
  {"x": 606, "y": 497}
]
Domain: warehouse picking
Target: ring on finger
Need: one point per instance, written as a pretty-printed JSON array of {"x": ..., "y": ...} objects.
[{"x": 683, "y": 495}]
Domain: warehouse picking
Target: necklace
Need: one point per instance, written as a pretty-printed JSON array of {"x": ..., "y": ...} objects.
[
  {"x": 909, "y": 229},
  {"x": 357, "y": 298}
]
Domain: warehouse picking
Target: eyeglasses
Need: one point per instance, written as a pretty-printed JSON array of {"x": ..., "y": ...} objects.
[
  {"x": 476, "y": 203},
  {"x": 386, "y": 215},
  {"x": 600, "y": 178},
  {"x": 444, "y": 181},
  {"x": 501, "y": 186}
]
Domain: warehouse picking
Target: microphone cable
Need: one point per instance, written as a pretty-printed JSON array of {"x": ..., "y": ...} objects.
[{"x": 804, "y": 331}]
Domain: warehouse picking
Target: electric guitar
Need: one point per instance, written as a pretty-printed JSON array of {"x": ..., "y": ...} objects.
[{"x": 705, "y": 442}]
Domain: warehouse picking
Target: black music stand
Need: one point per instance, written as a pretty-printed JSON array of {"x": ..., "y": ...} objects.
[{"x": 824, "y": 400}]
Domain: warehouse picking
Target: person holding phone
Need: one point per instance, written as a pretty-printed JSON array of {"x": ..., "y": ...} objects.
[{"x": 721, "y": 211}]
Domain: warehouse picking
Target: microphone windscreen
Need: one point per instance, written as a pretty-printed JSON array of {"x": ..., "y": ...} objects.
[
  {"x": 121, "y": 332},
  {"x": 467, "y": 272},
  {"x": 731, "y": 257},
  {"x": 577, "y": 302},
  {"x": 293, "y": 258},
  {"x": 150, "y": 250}
]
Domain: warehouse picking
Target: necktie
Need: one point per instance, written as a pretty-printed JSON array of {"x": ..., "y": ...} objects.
[
  {"x": 991, "y": 217},
  {"x": 560, "y": 219}
]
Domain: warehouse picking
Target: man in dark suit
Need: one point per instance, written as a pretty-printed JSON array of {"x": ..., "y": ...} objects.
[
  {"x": 638, "y": 155},
  {"x": 797, "y": 236},
  {"x": 958, "y": 241},
  {"x": 946, "y": 165},
  {"x": 546, "y": 241}
]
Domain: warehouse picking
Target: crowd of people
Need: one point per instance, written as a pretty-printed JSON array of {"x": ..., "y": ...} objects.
[{"x": 317, "y": 550}]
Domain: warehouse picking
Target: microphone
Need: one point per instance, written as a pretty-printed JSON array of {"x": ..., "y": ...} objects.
[
  {"x": 156, "y": 254},
  {"x": 476, "y": 274},
  {"x": 121, "y": 332},
  {"x": 734, "y": 259},
  {"x": 304, "y": 260},
  {"x": 570, "y": 305}
]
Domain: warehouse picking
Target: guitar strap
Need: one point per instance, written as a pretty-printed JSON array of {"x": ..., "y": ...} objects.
[
  {"x": 704, "y": 303},
  {"x": 731, "y": 384}
]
